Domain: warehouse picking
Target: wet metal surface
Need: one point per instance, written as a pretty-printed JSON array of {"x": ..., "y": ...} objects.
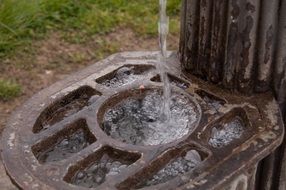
[
  {"x": 243, "y": 50},
  {"x": 233, "y": 42},
  {"x": 57, "y": 139}
]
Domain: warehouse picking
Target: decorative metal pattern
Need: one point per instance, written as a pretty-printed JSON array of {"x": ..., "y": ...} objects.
[{"x": 56, "y": 141}]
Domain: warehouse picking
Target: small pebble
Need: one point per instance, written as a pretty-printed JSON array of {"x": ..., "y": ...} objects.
[{"x": 193, "y": 156}]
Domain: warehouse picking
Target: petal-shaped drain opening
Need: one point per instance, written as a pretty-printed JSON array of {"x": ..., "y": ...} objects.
[
  {"x": 93, "y": 171},
  {"x": 124, "y": 75},
  {"x": 232, "y": 127},
  {"x": 168, "y": 166},
  {"x": 135, "y": 117},
  {"x": 65, "y": 107},
  {"x": 173, "y": 80},
  {"x": 222, "y": 135},
  {"x": 65, "y": 143},
  {"x": 187, "y": 161},
  {"x": 211, "y": 100}
]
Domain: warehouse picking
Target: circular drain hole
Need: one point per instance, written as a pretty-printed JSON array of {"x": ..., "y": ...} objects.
[{"x": 135, "y": 117}]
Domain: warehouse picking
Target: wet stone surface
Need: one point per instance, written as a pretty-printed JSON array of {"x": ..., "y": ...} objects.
[
  {"x": 139, "y": 121},
  {"x": 97, "y": 173},
  {"x": 124, "y": 75},
  {"x": 225, "y": 134},
  {"x": 175, "y": 168},
  {"x": 65, "y": 147}
]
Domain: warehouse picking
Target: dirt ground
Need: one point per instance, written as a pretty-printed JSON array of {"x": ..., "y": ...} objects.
[{"x": 52, "y": 59}]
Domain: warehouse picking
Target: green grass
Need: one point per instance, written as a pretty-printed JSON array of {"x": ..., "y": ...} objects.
[
  {"x": 9, "y": 89},
  {"x": 22, "y": 21}
]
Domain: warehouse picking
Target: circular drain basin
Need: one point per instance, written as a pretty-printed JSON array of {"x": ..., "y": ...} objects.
[
  {"x": 136, "y": 117},
  {"x": 98, "y": 129}
]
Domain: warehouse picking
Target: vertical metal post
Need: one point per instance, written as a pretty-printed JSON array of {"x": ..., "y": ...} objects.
[{"x": 241, "y": 46}]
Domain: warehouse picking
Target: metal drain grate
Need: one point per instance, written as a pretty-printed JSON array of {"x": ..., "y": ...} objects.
[{"x": 57, "y": 141}]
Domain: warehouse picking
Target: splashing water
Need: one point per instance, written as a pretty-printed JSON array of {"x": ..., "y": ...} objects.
[
  {"x": 230, "y": 131},
  {"x": 179, "y": 166},
  {"x": 163, "y": 28},
  {"x": 137, "y": 120},
  {"x": 97, "y": 173}
]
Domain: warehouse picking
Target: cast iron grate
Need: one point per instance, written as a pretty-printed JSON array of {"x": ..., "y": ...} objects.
[{"x": 64, "y": 143}]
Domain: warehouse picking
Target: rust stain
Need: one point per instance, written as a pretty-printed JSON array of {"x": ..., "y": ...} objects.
[
  {"x": 250, "y": 7},
  {"x": 246, "y": 40},
  {"x": 268, "y": 44}
]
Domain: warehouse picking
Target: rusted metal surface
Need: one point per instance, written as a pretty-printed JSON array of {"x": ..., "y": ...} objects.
[
  {"x": 5, "y": 182},
  {"x": 247, "y": 55},
  {"x": 190, "y": 31},
  {"x": 241, "y": 41},
  {"x": 204, "y": 36},
  {"x": 280, "y": 57},
  {"x": 266, "y": 44},
  {"x": 280, "y": 88},
  {"x": 243, "y": 181},
  {"x": 236, "y": 40},
  {"x": 218, "y": 40},
  {"x": 40, "y": 124}
]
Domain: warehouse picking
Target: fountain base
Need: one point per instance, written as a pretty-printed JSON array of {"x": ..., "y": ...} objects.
[{"x": 76, "y": 133}]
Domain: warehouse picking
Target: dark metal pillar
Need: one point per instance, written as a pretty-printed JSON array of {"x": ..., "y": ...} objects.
[{"x": 240, "y": 45}]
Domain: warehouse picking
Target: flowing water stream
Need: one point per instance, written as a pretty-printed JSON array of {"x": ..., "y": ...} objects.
[{"x": 163, "y": 29}]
